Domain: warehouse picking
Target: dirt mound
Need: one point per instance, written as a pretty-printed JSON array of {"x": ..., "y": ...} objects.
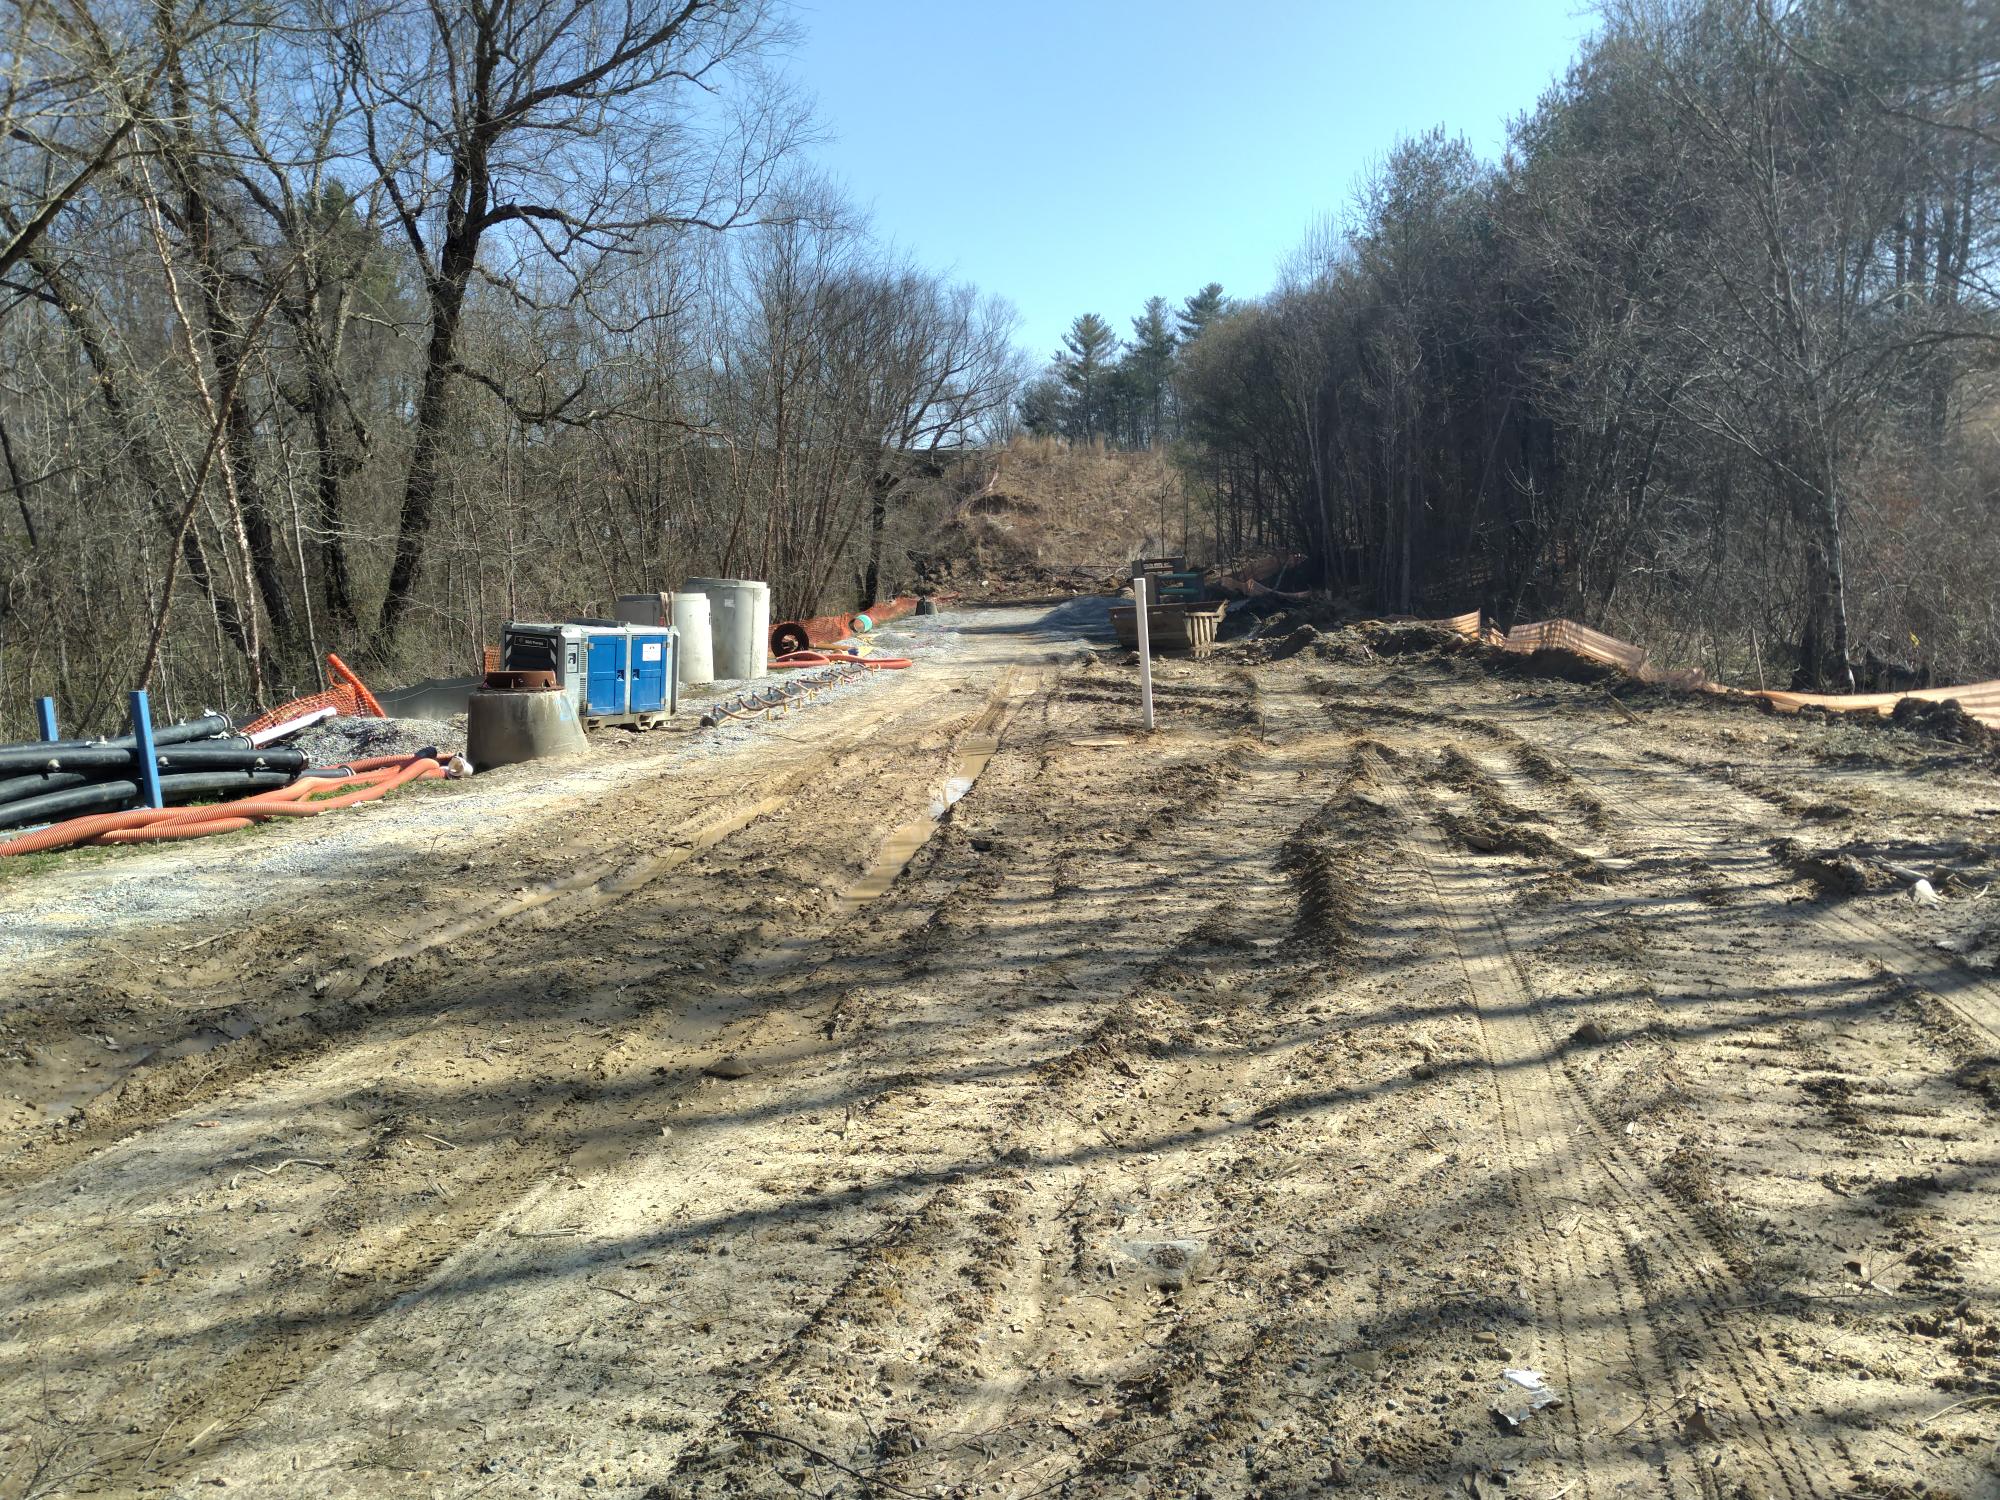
[
  {"x": 1837, "y": 872},
  {"x": 1414, "y": 638},
  {"x": 1563, "y": 666},
  {"x": 1042, "y": 516},
  {"x": 1947, "y": 720}
]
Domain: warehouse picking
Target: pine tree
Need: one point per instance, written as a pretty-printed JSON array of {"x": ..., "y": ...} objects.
[
  {"x": 1200, "y": 310},
  {"x": 1148, "y": 368},
  {"x": 1042, "y": 407},
  {"x": 1085, "y": 363}
]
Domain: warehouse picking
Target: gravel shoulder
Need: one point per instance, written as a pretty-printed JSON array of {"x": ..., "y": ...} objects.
[{"x": 199, "y": 886}]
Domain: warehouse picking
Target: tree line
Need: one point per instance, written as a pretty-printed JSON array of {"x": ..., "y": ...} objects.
[
  {"x": 365, "y": 327},
  {"x": 1099, "y": 387},
  {"x": 1707, "y": 358}
]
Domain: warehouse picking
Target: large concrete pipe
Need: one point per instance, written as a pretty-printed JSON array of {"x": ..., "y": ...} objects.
[
  {"x": 503, "y": 728},
  {"x": 691, "y": 611},
  {"x": 739, "y": 622},
  {"x": 723, "y": 652},
  {"x": 758, "y": 645}
]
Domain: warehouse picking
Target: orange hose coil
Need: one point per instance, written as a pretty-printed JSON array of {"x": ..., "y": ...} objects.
[{"x": 829, "y": 658}]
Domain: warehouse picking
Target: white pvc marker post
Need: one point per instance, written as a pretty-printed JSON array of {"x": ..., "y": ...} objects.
[{"x": 1140, "y": 593}]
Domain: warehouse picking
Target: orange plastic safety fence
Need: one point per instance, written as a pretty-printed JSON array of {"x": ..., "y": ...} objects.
[
  {"x": 342, "y": 699},
  {"x": 348, "y": 696},
  {"x": 346, "y": 674},
  {"x": 1980, "y": 700}
]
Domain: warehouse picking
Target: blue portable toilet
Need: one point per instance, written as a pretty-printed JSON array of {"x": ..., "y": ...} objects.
[
  {"x": 606, "y": 694},
  {"x": 630, "y": 671},
  {"x": 650, "y": 669},
  {"x": 610, "y": 670}
]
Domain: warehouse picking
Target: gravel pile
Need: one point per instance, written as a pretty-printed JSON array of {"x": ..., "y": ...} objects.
[{"x": 333, "y": 740}]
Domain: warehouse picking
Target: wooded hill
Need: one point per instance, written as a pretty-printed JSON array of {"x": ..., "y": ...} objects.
[{"x": 1707, "y": 359}]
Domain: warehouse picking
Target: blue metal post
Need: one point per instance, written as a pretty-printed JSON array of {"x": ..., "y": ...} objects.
[
  {"x": 45, "y": 710},
  {"x": 143, "y": 752}
]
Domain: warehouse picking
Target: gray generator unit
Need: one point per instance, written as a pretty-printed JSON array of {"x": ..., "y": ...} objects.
[
  {"x": 526, "y": 646},
  {"x": 645, "y": 609}
]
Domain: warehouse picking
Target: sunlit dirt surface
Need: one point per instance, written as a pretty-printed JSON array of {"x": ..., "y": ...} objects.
[{"x": 1220, "y": 1113}]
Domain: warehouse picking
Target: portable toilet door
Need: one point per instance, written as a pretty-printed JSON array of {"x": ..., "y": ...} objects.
[
  {"x": 608, "y": 689},
  {"x": 651, "y": 669}
]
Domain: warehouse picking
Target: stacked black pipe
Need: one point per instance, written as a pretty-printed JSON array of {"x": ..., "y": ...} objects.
[{"x": 201, "y": 760}]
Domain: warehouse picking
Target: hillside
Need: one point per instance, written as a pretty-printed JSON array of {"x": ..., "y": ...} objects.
[{"x": 1043, "y": 513}]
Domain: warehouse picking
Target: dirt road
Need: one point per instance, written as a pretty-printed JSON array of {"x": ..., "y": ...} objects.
[{"x": 951, "y": 1092}]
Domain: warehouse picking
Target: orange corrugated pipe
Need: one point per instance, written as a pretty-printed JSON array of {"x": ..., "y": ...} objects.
[
  {"x": 374, "y": 776},
  {"x": 789, "y": 636},
  {"x": 891, "y": 609},
  {"x": 828, "y": 658}
]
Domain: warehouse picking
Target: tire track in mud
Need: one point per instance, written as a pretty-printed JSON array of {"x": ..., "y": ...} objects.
[
  {"x": 785, "y": 967},
  {"x": 1970, "y": 998},
  {"x": 1011, "y": 1251},
  {"x": 1657, "y": 1284},
  {"x": 1188, "y": 1403},
  {"x": 300, "y": 1018},
  {"x": 309, "y": 1327},
  {"x": 1973, "y": 1000},
  {"x": 779, "y": 984}
]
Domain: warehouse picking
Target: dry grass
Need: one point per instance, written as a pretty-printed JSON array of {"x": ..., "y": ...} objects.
[{"x": 1045, "y": 504}]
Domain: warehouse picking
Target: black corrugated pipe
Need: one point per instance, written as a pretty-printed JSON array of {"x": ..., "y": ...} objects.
[
  {"x": 202, "y": 756},
  {"x": 231, "y": 754},
  {"x": 105, "y": 796},
  {"x": 27, "y": 755},
  {"x": 205, "y": 757}
]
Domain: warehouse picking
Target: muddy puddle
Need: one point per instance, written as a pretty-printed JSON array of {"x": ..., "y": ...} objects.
[
  {"x": 903, "y": 844},
  {"x": 60, "y": 1086}
]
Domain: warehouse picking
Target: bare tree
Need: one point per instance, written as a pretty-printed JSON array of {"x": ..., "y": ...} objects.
[{"x": 524, "y": 136}]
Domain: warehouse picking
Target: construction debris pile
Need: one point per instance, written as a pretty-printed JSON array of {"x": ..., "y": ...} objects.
[{"x": 161, "y": 782}]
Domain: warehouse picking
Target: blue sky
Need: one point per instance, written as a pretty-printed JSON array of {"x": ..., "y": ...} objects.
[{"x": 1083, "y": 156}]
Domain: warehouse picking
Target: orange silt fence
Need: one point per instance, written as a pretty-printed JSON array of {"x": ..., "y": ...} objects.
[{"x": 1980, "y": 700}]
